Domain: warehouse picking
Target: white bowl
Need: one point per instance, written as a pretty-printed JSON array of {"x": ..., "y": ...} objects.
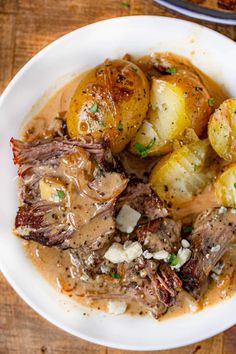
[{"x": 73, "y": 53}]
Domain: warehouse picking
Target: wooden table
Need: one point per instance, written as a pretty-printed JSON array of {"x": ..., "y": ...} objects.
[{"x": 26, "y": 26}]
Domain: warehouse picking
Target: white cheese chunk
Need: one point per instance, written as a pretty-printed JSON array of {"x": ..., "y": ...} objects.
[
  {"x": 185, "y": 243},
  {"x": 161, "y": 255},
  {"x": 215, "y": 249},
  {"x": 147, "y": 254},
  {"x": 118, "y": 253},
  {"x": 127, "y": 219},
  {"x": 115, "y": 254},
  {"x": 133, "y": 251},
  {"x": 116, "y": 307},
  {"x": 183, "y": 256}
]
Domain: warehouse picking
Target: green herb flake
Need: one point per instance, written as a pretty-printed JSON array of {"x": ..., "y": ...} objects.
[
  {"x": 60, "y": 194},
  {"x": 235, "y": 185},
  {"x": 187, "y": 229},
  {"x": 120, "y": 126},
  {"x": 195, "y": 167},
  {"x": 144, "y": 150},
  {"x": 115, "y": 276},
  {"x": 173, "y": 260},
  {"x": 125, "y": 4},
  {"x": 94, "y": 107},
  {"x": 211, "y": 102},
  {"x": 171, "y": 71}
]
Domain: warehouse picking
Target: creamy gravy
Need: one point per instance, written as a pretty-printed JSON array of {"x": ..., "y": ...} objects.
[{"x": 61, "y": 269}]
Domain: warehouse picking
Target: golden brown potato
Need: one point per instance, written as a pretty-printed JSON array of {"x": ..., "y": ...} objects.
[
  {"x": 222, "y": 130},
  {"x": 110, "y": 102},
  {"x": 179, "y": 176},
  {"x": 178, "y": 101},
  {"x": 225, "y": 187}
]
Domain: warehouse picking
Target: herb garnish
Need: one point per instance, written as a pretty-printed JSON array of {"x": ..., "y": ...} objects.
[
  {"x": 234, "y": 185},
  {"x": 211, "y": 101},
  {"x": 187, "y": 229},
  {"x": 120, "y": 126},
  {"x": 173, "y": 260},
  {"x": 144, "y": 150},
  {"x": 115, "y": 276},
  {"x": 60, "y": 194},
  {"x": 171, "y": 71},
  {"x": 94, "y": 107}
]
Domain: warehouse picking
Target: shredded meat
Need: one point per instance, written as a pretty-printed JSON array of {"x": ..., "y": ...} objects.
[
  {"x": 75, "y": 164},
  {"x": 212, "y": 234}
]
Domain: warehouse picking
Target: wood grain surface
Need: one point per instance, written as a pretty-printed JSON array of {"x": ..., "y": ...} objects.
[{"x": 27, "y": 26}]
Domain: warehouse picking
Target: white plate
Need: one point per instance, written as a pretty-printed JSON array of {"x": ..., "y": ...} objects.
[{"x": 75, "y": 52}]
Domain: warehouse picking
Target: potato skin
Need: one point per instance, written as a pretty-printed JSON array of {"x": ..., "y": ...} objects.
[
  {"x": 225, "y": 187},
  {"x": 178, "y": 102},
  {"x": 179, "y": 176},
  {"x": 222, "y": 130},
  {"x": 110, "y": 102}
]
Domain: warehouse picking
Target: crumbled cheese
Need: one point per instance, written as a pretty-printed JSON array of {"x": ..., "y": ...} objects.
[
  {"x": 133, "y": 251},
  {"x": 185, "y": 243},
  {"x": 222, "y": 210},
  {"x": 215, "y": 249},
  {"x": 161, "y": 255},
  {"x": 105, "y": 269},
  {"x": 147, "y": 254},
  {"x": 117, "y": 253},
  {"x": 183, "y": 256},
  {"x": 127, "y": 219},
  {"x": 218, "y": 268},
  {"x": 233, "y": 211},
  {"x": 116, "y": 307},
  {"x": 207, "y": 255}
]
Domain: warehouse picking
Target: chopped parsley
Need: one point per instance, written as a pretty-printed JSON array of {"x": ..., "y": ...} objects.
[
  {"x": 144, "y": 150},
  {"x": 173, "y": 260},
  {"x": 187, "y": 229},
  {"x": 120, "y": 126},
  {"x": 115, "y": 276},
  {"x": 235, "y": 185},
  {"x": 211, "y": 101},
  {"x": 60, "y": 194},
  {"x": 94, "y": 107},
  {"x": 171, "y": 71},
  {"x": 125, "y": 4}
]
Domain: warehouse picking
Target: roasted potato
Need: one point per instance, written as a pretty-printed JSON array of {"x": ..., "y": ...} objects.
[
  {"x": 178, "y": 101},
  {"x": 225, "y": 187},
  {"x": 110, "y": 102},
  {"x": 222, "y": 130},
  {"x": 179, "y": 176}
]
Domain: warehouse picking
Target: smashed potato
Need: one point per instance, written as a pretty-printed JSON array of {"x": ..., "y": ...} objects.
[
  {"x": 222, "y": 130},
  {"x": 178, "y": 101},
  {"x": 225, "y": 187},
  {"x": 179, "y": 176},
  {"x": 110, "y": 102}
]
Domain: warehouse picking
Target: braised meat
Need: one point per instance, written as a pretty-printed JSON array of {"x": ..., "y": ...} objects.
[
  {"x": 139, "y": 196},
  {"x": 64, "y": 184},
  {"x": 212, "y": 234},
  {"x": 160, "y": 234},
  {"x": 152, "y": 283}
]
